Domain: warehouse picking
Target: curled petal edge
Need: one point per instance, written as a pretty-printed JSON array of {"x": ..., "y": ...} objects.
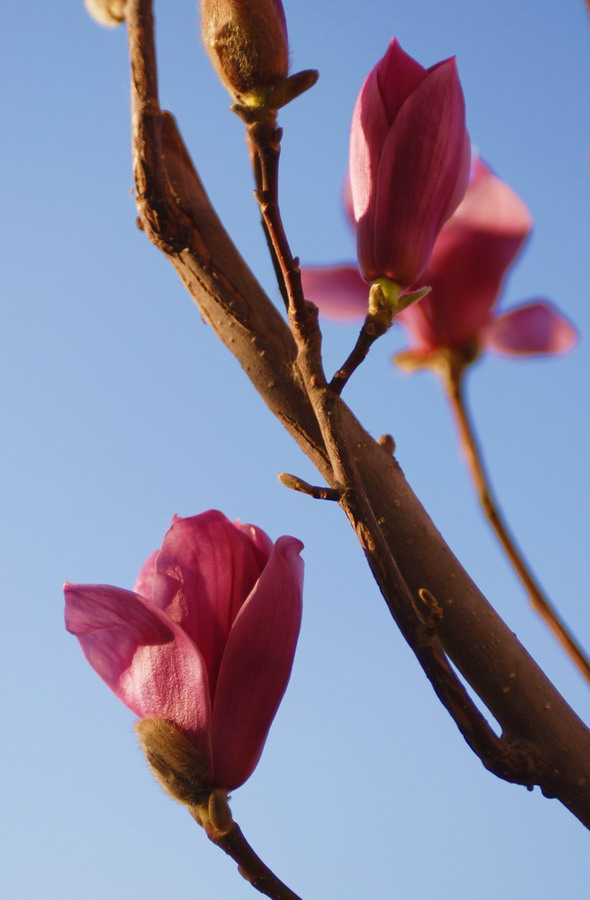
[{"x": 534, "y": 329}]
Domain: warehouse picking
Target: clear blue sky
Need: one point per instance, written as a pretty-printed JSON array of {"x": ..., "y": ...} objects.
[{"x": 120, "y": 408}]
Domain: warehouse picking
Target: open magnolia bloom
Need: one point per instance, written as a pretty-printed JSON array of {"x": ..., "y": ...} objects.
[
  {"x": 205, "y": 642},
  {"x": 466, "y": 273}
]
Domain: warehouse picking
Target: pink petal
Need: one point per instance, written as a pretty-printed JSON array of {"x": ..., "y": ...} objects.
[
  {"x": 465, "y": 273},
  {"x": 257, "y": 665},
  {"x": 491, "y": 205},
  {"x": 368, "y": 131},
  {"x": 469, "y": 261},
  {"x": 338, "y": 292},
  {"x": 347, "y": 196},
  {"x": 259, "y": 538},
  {"x": 205, "y": 570},
  {"x": 384, "y": 90},
  {"x": 143, "y": 656},
  {"x": 537, "y": 328},
  {"x": 144, "y": 583},
  {"x": 458, "y": 192},
  {"x": 395, "y": 76},
  {"x": 423, "y": 166}
]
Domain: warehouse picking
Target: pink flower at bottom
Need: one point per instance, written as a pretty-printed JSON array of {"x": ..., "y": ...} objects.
[{"x": 207, "y": 640}]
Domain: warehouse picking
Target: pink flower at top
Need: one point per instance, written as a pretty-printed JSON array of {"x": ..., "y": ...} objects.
[
  {"x": 466, "y": 272},
  {"x": 207, "y": 639},
  {"x": 409, "y": 163}
]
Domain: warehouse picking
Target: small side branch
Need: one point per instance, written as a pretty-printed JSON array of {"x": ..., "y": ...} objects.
[
  {"x": 452, "y": 379},
  {"x": 368, "y": 334},
  {"x": 265, "y": 141},
  {"x": 298, "y": 484}
]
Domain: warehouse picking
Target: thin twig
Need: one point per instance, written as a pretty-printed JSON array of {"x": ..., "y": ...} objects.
[
  {"x": 452, "y": 378},
  {"x": 294, "y": 483},
  {"x": 250, "y": 866},
  {"x": 257, "y": 172},
  {"x": 265, "y": 138},
  {"x": 367, "y": 337}
]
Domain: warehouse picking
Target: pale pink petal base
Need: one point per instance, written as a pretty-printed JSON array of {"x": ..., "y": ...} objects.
[
  {"x": 339, "y": 292},
  {"x": 142, "y": 655},
  {"x": 144, "y": 583},
  {"x": 256, "y": 665},
  {"x": 535, "y": 329}
]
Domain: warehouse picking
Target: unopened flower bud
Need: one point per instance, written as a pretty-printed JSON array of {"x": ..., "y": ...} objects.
[
  {"x": 177, "y": 764},
  {"x": 106, "y": 12},
  {"x": 247, "y": 43}
]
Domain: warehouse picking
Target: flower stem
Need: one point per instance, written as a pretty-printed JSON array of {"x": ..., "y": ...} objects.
[
  {"x": 250, "y": 866},
  {"x": 264, "y": 141},
  {"x": 367, "y": 337},
  {"x": 452, "y": 378}
]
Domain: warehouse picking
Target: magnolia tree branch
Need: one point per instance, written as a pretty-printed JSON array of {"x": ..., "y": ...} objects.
[
  {"x": 440, "y": 610},
  {"x": 418, "y": 625}
]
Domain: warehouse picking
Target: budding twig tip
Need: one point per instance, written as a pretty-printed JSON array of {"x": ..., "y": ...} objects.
[{"x": 303, "y": 487}]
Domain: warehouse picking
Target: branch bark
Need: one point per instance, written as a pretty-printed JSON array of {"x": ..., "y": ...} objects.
[{"x": 543, "y": 742}]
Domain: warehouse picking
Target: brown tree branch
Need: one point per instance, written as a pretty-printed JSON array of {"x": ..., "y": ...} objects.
[
  {"x": 417, "y": 629},
  {"x": 539, "y": 729}
]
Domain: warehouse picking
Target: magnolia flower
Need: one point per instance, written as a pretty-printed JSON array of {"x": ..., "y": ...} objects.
[
  {"x": 409, "y": 163},
  {"x": 205, "y": 642},
  {"x": 466, "y": 273}
]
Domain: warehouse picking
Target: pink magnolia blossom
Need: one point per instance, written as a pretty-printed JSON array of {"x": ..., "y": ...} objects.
[
  {"x": 466, "y": 274},
  {"x": 206, "y": 641},
  {"x": 409, "y": 163}
]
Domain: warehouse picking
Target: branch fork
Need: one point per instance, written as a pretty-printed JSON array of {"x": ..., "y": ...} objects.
[{"x": 543, "y": 742}]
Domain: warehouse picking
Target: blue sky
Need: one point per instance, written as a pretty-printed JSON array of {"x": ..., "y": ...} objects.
[{"x": 121, "y": 408}]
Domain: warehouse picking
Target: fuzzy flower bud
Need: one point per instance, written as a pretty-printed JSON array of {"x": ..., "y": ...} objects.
[
  {"x": 106, "y": 12},
  {"x": 247, "y": 43},
  {"x": 178, "y": 765}
]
